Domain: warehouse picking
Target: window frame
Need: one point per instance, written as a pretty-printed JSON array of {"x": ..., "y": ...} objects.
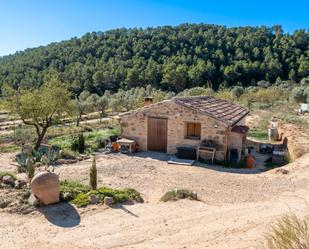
[{"x": 196, "y": 133}]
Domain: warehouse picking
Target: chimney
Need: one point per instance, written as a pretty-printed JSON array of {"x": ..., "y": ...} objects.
[{"x": 148, "y": 101}]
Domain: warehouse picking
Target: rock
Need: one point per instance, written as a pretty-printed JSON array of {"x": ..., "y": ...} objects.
[
  {"x": 65, "y": 196},
  {"x": 25, "y": 194},
  {"x": 20, "y": 184},
  {"x": 9, "y": 180},
  {"x": 4, "y": 203},
  {"x": 194, "y": 195},
  {"x": 94, "y": 199},
  {"x": 46, "y": 187},
  {"x": 33, "y": 201},
  {"x": 282, "y": 171},
  {"x": 3, "y": 185},
  {"x": 108, "y": 200}
]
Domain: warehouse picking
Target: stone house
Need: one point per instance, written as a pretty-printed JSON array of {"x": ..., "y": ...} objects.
[{"x": 187, "y": 121}]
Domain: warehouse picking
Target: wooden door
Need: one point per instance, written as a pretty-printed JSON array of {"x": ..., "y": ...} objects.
[{"x": 157, "y": 134}]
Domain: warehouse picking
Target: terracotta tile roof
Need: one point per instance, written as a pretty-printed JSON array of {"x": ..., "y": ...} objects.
[{"x": 219, "y": 109}]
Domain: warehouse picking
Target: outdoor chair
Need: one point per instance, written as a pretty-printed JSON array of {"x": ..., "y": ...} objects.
[{"x": 110, "y": 143}]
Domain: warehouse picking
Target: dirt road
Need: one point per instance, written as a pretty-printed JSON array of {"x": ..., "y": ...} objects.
[{"x": 235, "y": 207}]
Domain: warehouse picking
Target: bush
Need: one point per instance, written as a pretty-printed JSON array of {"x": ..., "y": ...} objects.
[
  {"x": 78, "y": 144},
  {"x": 196, "y": 91},
  {"x": 71, "y": 189},
  {"x": 177, "y": 194},
  {"x": 304, "y": 82},
  {"x": 5, "y": 173},
  {"x": 290, "y": 232},
  {"x": 100, "y": 142},
  {"x": 67, "y": 154},
  {"x": 237, "y": 91},
  {"x": 299, "y": 95},
  {"x": 93, "y": 174},
  {"x": 119, "y": 196}
]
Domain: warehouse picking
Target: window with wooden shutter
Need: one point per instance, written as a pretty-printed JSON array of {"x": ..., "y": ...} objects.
[{"x": 193, "y": 130}]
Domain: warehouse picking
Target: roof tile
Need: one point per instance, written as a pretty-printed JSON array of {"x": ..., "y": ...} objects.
[{"x": 222, "y": 110}]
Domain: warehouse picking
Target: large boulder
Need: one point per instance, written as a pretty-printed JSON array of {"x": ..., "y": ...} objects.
[{"x": 46, "y": 187}]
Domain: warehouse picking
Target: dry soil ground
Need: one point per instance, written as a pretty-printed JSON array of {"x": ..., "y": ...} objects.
[{"x": 235, "y": 208}]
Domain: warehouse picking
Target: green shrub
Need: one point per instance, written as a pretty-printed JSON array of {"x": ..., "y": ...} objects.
[
  {"x": 78, "y": 194},
  {"x": 81, "y": 200},
  {"x": 237, "y": 91},
  {"x": 290, "y": 232},
  {"x": 71, "y": 189},
  {"x": 30, "y": 168},
  {"x": 5, "y": 173},
  {"x": 177, "y": 194},
  {"x": 93, "y": 174},
  {"x": 67, "y": 154},
  {"x": 299, "y": 94},
  {"x": 78, "y": 144},
  {"x": 100, "y": 142}
]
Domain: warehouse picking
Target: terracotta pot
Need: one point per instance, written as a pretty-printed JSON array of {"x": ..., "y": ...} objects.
[{"x": 46, "y": 187}]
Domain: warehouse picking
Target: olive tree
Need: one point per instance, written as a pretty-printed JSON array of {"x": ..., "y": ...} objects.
[
  {"x": 81, "y": 105},
  {"x": 40, "y": 107}
]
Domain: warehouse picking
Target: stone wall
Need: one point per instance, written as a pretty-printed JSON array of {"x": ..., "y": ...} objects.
[{"x": 134, "y": 126}]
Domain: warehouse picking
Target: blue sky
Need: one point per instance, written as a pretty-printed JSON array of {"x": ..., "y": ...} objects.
[{"x": 30, "y": 23}]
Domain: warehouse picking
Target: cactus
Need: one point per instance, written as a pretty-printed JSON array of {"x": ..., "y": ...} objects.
[
  {"x": 30, "y": 168},
  {"x": 93, "y": 174}
]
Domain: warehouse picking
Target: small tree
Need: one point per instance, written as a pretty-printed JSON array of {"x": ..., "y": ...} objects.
[
  {"x": 40, "y": 107},
  {"x": 93, "y": 174},
  {"x": 102, "y": 105},
  {"x": 237, "y": 91},
  {"x": 248, "y": 98}
]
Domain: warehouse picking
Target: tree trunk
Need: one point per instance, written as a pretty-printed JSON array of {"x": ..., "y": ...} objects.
[
  {"x": 40, "y": 137},
  {"x": 79, "y": 117}
]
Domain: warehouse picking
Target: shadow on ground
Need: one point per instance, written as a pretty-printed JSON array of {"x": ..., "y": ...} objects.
[
  {"x": 62, "y": 215},
  {"x": 165, "y": 157},
  {"x": 152, "y": 155},
  {"x": 123, "y": 208}
]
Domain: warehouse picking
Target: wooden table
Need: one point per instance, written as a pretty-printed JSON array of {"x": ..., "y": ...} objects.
[
  {"x": 127, "y": 143},
  {"x": 210, "y": 150}
]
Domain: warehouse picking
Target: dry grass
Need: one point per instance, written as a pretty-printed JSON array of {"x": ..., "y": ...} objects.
[{"x": 291, "y": 232}]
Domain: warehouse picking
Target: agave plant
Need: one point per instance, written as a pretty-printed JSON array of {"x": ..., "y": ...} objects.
[
  {"x": 25, "y": 164},
  {"x": 37, "y": 155},
  {"x": 21, "y": 159},
  {"x": 52, "y": 155}
]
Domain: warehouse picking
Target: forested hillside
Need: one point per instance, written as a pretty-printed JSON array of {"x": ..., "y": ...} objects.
[{"x": 168, "y": 58}]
